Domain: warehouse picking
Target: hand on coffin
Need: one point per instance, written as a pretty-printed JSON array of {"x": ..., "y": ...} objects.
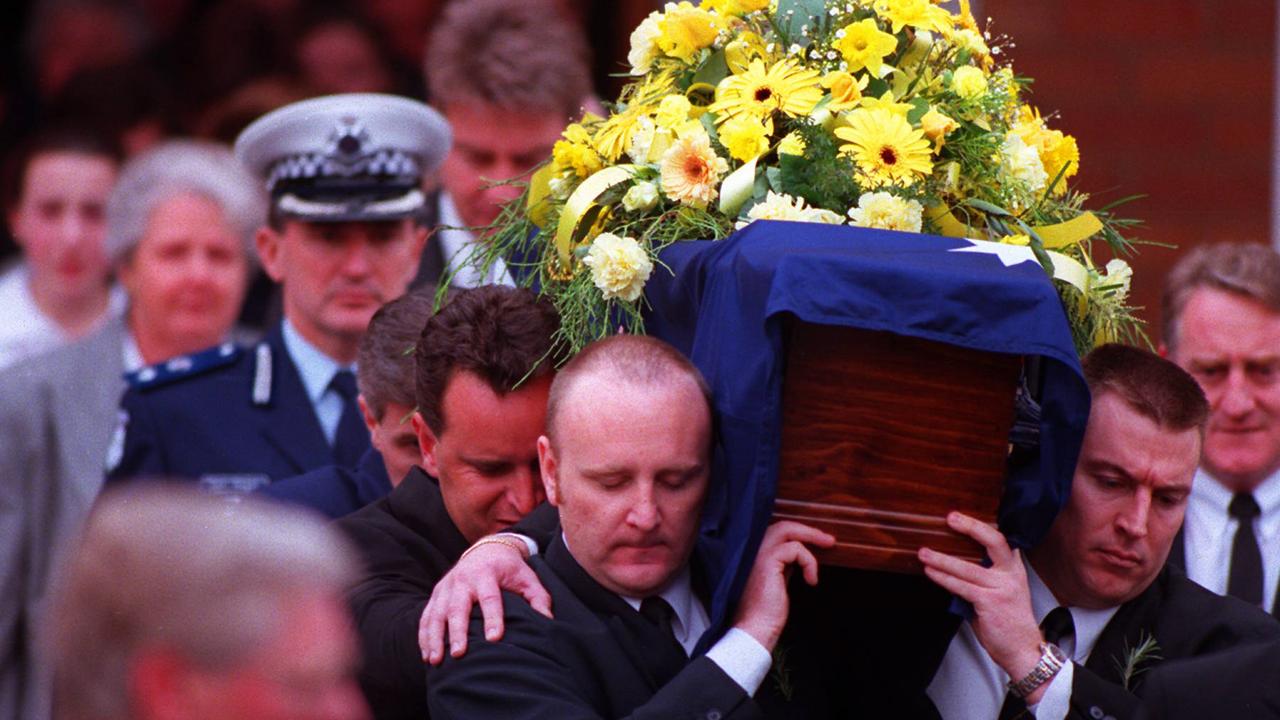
[
  {"x": 480, "y": 576},
  {"x": 763, "y": 608},
  {"x": 1003, "y": 622}
]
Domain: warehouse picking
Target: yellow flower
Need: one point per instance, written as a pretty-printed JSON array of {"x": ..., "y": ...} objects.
[
  {"x": 1057, "y": 151},
  {"x": 744, "y": 48},
  {"x": 1016, "y": 239},
  {"x": 746, "y": 136},
  {"x": 614, "y": 135},
  {"x": 936, "y": 126},
  {"x": 576, "y": 153},
  {"x": 865, "y": 45},
  {"x": 845, "y": 91},
  {"x": 886, "y": 102},
  {"x": 734, "y": 7},
  {"x": 885, "y": 147},
  {"x": 969, "y": 82},
  {"x": 792, "y": 144},
  {"x": 673, "y": 111},
  {"x": 887, "y": 212},
  {"x": 691, "y": 170},
  {"x": 783, "y": 86},
  {"x": 921, "y": 14},
  {"x": 619, "y": 266},
  {"x": 683, "y": 30}
]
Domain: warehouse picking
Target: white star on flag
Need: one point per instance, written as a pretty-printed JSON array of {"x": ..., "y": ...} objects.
[{"x": 1010, "y": 255}]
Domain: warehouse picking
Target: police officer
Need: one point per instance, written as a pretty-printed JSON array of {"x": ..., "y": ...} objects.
[{"x": 342, "y": 239}]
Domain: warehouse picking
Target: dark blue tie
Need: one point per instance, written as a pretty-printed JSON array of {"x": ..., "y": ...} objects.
[
  {"x": 1245, "y": 579},
  {"x": 351, "y": 438}
]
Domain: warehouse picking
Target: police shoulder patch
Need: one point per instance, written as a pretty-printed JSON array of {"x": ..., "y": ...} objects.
[{"x": 183, "y": 367}]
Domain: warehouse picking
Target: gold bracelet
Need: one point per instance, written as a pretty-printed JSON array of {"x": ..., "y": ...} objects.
[{"x": 501, "y": 539}]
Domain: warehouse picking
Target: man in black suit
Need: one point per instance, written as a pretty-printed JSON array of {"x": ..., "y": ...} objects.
[
  {"x": 483, "y": 367},
  {"x": 1072, "y": 631},
  {"x": 626, "y": 461},
  {"x": 1238, "y": 683}
]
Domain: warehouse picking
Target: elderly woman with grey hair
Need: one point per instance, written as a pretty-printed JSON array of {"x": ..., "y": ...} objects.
[{"x": 179, "y": 225}]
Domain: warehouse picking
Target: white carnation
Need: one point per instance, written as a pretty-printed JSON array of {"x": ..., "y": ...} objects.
[
  {"x": 619, "y": 266},
  {"x": 1119, "y": 275},
  {"x": 888, "y": 212},
  {"x": 641, "y": 196},
  {"x": 644, "y": 44},
  {"x": 1022, "y": 162}
]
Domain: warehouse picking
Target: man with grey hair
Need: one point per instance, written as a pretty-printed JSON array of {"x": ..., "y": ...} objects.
[
  {"x": 176, "y": 604},
  {"x": 178, "y": 225},
  {"x": 508, "y": 75},
  {"x": 1222, "y": 325}
]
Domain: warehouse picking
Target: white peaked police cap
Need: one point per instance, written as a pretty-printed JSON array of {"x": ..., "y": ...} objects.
[{"x": 340, "y": 158}]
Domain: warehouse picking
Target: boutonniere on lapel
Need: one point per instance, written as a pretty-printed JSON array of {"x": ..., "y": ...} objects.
[
  {"x": 1137, "y": 659},
  {"x": 781, "y": 674}
]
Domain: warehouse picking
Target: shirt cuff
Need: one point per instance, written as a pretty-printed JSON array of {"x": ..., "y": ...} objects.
[
  {"x": 1056, "y": 700},
  {"x": 744, "y": 660},
  {"x": 528, "y": 542}
]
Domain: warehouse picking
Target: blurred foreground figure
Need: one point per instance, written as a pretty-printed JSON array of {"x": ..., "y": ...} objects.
[{"x": 182, "y": 605}]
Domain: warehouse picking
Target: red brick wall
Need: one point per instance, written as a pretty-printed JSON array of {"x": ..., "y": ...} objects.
[{"x": 1171, "y": 98}]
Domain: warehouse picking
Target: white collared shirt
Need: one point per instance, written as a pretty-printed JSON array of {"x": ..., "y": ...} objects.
[
  {"x": 1209, "y": 532},
  {"x": 969, "y": 684},
  {"x": 458, "y": 245},
  {"x": 316, "y": 371},
  {"x": 739, "y": 655}
]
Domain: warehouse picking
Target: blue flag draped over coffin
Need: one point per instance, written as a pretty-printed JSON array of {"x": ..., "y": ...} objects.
[{"x": 724, "y": 305}]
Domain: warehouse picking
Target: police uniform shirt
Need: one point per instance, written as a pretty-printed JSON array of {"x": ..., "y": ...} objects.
[
  {"x": 969, "y": 684},
  {"x": 1209, "y": 532},
  {"x": 456, "y": 247},
  {"x": 316, "y": 371}
]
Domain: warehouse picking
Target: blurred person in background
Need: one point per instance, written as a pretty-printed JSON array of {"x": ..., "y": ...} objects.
[
  {"x": 180, "y": 605},
  {"x": 385, "y": 377},
  {"x": 508, "y": 75},
  {"x": 55, "y": 202},
  {"x": 178, "y": 229},
  {"x": 337, "y": 51}
]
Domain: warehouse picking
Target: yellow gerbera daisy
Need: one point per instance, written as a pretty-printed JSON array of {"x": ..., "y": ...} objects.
[
  {"x": 783, "y": 86},
  {"x": 886, "y": 102},
  {"x": 886, "y": 148},
  {"x": 691, "y": 170},
  {"x": 865, "y": 45}
]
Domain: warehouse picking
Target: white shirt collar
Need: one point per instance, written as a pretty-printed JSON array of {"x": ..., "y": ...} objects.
[
  {"x": 457, "y": 247},
  {"x": 133, "y": 360},
  {"x": 1088, "y": 623},
  {"x": 1207, "y": 489},
  {"x": 314, "y": 367}
]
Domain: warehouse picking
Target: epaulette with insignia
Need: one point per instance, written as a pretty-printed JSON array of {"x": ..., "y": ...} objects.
[{"x": 182, "y": 367}]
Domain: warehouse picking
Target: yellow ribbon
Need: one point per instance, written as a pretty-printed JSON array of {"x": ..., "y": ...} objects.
[
  {"x": 539, "y": 190},
  {"x": 737, "y": 189},
  {"x": 581, "y": 212}
]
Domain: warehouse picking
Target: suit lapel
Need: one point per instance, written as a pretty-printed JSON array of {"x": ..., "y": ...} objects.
[
  {"x": 652, "y": 655},
  {"x": 289, "y": 423},
  {"x": 1178, "y": 553}
]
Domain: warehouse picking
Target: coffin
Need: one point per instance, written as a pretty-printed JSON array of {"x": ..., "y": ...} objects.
[{"x": 883, "y": 435}]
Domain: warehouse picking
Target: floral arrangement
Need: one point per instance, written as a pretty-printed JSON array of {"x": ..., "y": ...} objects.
[{"x": 894, "y": 114}]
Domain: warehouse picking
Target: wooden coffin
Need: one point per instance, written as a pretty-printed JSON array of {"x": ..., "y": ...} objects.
[{"x": 883, "y": 435}]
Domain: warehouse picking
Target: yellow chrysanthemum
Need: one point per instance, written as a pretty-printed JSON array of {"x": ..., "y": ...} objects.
[
  {"x": 846, "y": 92},
  {"x": 691, "y": 170},
  {"x": 784, "y": 87},
  {"x": 921, "y": 14},
  {"x": 673, "y": 111},
  {"x": 575, "y": 152},
  {"x": 886, "y": 149},
  {"x": 969, "y": 82},
  {"x": 865, "y": 45},
  {"x": 746, "y": 136},
  {"x": 683, "y": 30}
]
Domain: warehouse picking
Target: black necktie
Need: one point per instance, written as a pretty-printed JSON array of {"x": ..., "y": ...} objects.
[
  {"x": 661, "y": 614},
  {"x": 1055, "y": 626},
  {"x": 351, "y": 438},
  {"x": 1246, "y": 560}
]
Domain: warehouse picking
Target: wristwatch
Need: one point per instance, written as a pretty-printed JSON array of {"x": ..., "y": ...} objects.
[{"x": 1051, "y": 661}]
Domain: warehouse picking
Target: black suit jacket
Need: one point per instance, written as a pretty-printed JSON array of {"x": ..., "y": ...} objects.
[
  {"x": 884, "y": 636},
  {"x": 1242, "y": 682},
  {"x": 598, "y": 658},
  {"x": 409, "y": 542}
]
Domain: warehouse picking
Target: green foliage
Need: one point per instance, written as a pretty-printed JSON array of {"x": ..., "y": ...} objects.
[{"x": 822, "y": 175}]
